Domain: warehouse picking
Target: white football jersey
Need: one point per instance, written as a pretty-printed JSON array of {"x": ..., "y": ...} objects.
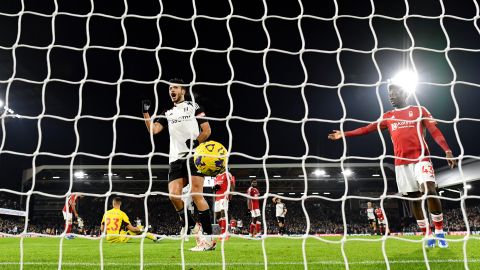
[
  {"x": 370, "y": 213},
  {"x": 280, "y": 210},
  {"x": 182, "y": 124}
]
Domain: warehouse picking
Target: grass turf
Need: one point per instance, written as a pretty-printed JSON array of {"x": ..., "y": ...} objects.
[{"x": 282, "y": 253}]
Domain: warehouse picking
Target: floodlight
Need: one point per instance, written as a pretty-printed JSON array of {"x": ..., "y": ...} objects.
[
  {"x": 347, "y": 172},
  {"x": 79, "y": 174},
  {"x": 319, "y": 172},
  {"x": 406, "y": 80}
]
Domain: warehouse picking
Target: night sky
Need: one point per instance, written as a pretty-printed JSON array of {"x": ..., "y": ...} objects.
[{"x": 101, "y": 66}]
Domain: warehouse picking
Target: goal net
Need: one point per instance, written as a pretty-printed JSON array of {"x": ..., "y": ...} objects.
[{"x": 275, "y": 78}]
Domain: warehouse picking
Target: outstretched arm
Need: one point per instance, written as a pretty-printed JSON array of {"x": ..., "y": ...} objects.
[
  {"x": 337, "y": 134},
  {"x": 440, "y": 140},
  {"x": 132, "y": 228}
]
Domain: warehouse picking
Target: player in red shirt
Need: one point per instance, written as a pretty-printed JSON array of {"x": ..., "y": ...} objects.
[
  {"x": 380, "y": 220},
  {"x": 223, "y": 182},
  {"x": 414, "y": 171},
  {"x": 68, "y": 209},
  {"x": 254, "y": 207},
  {"x": 233, "y": 225}
]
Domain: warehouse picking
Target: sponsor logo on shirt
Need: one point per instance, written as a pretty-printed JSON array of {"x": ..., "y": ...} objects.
[
  {"x": 402, "y": 124},
  {"x": 180, "y": 119}
]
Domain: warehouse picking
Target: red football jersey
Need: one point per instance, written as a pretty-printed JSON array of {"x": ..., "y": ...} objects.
[
  {"x": 404, "y": 132},
  {"x": 253, "y": 203},
  {"x": 379, "y": 213},
  {"x": 71, "y": 200},
  {"x": 222, "y": 181}
]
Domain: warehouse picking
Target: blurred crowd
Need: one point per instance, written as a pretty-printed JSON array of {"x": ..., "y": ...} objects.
[{"x": 323, "y": 218}]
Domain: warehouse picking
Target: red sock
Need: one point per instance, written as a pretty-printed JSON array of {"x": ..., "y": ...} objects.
[
  {"x": 381, "y": 230},
  {"x": 258, "y": 227},
  {"x": 69, "y": 228},
  {"x": 252, "y": 228},
  {"x": 422, "y": 224},
  {"x": 438, "y": 221},
  {"x": 223, "y": 224}
]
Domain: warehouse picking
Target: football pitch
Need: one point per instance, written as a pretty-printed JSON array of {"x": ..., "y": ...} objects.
[{"x": 282, "y": 253}]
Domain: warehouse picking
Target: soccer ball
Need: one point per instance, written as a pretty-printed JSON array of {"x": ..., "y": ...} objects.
[{"x": 210, "y": 158}]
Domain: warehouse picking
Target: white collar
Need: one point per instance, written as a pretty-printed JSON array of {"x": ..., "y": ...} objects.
[{"x": 404, "y": 108}]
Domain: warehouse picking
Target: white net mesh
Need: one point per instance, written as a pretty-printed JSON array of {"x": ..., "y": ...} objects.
[{"x": 250, "y": 56}]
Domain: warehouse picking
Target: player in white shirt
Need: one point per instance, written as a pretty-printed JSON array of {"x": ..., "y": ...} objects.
[
  {"x": 240, "y": 226},
  {"x": 187, "y": 128},
  {"x": 372, "y": 220},
  {"x": 280, "y": 212}
]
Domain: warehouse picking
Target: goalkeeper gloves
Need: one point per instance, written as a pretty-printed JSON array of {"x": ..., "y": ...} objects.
[
  {"x": 145, "y": 105},
  {"x": 194, "y": 143}
]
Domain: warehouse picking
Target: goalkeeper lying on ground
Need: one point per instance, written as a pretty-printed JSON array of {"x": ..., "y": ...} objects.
[{"x": 112, "y": 223}]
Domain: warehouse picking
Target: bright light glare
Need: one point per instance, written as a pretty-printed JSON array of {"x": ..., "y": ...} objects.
[
  {"x": 318, "y": 172},
  {"x": 1, "y": 103},
  {"x": 79, "y": 174},
  {"x": 405, "y": 79},
  {"x": 347, "y": 172},
  {"x": 468, "y": 186}
]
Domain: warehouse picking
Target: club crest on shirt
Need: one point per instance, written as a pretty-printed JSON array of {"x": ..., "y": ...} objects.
[{"x": 410, "y": 113}]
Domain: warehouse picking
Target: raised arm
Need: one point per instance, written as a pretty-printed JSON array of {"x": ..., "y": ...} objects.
[{"x": 156, "y": 127}]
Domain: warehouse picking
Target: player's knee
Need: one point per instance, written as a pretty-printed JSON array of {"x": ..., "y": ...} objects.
[
  {"x": 197, "y": 184},
  {"x": 197, "y": 198},
  {"x": 174, "y": 198}
]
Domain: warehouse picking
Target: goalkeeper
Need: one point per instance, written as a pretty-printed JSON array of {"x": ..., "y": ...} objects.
[
  {"x": 187, "y": 128},
  {"x": 115, "y": 219}
]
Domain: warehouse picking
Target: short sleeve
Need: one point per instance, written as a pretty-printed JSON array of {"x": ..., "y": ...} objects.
[
  {"x": 162, "y": 120},
  {"x": 200, "y": 113}
]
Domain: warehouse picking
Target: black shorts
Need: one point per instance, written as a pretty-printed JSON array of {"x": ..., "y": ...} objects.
[
  {"x": 281, "y": 220},
  {"x": 371, "y": 221},
  {"x": 178, "y": 169}
]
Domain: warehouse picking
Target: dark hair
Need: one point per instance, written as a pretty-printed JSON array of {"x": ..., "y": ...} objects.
[
  {"x": 117, "y": 200},
  {"x": 179, "y": 81}
]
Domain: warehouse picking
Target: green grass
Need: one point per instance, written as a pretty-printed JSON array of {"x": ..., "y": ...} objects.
[{"x": 282, "y": 253}]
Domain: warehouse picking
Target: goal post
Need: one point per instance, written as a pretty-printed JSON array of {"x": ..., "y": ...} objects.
[{"x": 276, "y": 78}]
